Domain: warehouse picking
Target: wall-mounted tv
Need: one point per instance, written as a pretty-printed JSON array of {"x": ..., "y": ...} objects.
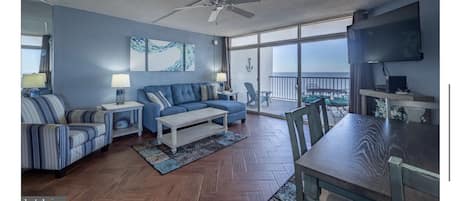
[{"x": 392, "y": 36}]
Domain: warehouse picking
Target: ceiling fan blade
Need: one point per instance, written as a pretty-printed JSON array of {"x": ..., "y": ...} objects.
[
  {"x": 241, "y": 1},
  {"x": 240, "y": 11},
  {"x": 175, "y": 11},
  {"x": 48, "y": 2},
  {"x": 191, "y": 7},
  {"x": 214, "y": 14}
]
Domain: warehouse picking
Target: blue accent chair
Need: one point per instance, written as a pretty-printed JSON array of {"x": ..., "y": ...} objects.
[
  {"x": 52, "y": 139},
  {"x": 183, "y": 98}
]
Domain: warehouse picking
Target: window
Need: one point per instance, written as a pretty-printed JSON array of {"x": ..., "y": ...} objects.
[
  {"x": 30, "y": 54},
  {"x": 325, "y": 28},
  {"x": 279, "y": 35},
  {"x": 244, "y": 40}
]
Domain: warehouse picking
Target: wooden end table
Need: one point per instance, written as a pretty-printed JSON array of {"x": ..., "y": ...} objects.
[{"x": 136, "y": 117}]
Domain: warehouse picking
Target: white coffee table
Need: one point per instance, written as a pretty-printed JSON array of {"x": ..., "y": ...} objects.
[{"x": 187, "y": 135}]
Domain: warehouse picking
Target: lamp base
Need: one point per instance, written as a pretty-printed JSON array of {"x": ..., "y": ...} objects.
[{"x": 120, "y": 96}]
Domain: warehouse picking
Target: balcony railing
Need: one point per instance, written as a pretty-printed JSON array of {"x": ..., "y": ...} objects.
[{"x": 284, "y": 87}]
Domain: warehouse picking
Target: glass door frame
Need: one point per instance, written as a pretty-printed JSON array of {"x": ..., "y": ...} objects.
[{"x": 298, "y": 41}]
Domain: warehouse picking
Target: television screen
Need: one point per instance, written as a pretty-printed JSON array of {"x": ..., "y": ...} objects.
[{"x": 393, "y": 36}]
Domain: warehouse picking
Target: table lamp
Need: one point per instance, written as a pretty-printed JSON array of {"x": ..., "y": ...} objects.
[
  {"x": 32, "y": 82},
  {"x": 120, "y": 81},
  {"x": 221, "y": 77}
]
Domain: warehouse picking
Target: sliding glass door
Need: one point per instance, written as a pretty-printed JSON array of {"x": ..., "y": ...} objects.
[
  {"x": 326, "y": 75},
  {"x": 279, "y": 78},
  {"x": 244, "y": 74},
  {"x": 278, "y": 70}
]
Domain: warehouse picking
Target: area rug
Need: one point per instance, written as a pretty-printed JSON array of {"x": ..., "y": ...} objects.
[
  {"x": 164, "y": 161},
  {"x": 287, "y": 192}
]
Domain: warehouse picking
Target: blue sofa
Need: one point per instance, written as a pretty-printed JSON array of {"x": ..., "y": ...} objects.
[{"x": 183, "y": 98}]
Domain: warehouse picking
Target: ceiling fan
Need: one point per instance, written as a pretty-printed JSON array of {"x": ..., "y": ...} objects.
[{"x": 216, "y": 6}]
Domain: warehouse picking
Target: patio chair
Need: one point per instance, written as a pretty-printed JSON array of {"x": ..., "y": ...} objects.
[{"x": 253, "y": 97}]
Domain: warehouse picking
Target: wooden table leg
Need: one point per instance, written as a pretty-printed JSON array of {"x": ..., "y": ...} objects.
[
  {"x": 225, "y": 122},
  {"x": 311, "y": 188},
  {"x": 160, "y": 132},
  {"x": 174, "y": 139},
  {"x": 298, "y": 183},
  {"x": 363, "y": 103},
  {"x": 140, "y": 122}
]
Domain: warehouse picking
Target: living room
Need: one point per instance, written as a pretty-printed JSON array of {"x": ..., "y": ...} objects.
[{"x": 234, "y": 100}]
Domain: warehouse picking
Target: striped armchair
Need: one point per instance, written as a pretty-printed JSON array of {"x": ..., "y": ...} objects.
[{"x": 52, "y": 139}]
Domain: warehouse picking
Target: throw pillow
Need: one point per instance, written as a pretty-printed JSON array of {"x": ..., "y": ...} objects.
[
  {"x": 159, "y": 99},
  {"x": 212, "y": 92},
  {"x": 204, "y": 92}
]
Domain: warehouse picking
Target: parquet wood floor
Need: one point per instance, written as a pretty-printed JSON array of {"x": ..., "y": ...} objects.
[{"x": 251, "y": 170}]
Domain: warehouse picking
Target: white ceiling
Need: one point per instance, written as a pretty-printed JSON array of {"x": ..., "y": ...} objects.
[{"x": 269, "y": 13}]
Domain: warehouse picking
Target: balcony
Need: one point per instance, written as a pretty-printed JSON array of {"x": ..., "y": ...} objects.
[{"x": 284, "y": 96}]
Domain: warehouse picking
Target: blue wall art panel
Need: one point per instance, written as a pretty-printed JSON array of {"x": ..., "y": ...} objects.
[
  {"x": 165, "y": 56},
  {"x": 137, "y": 53},
  {"x": 189, "y": 57}
]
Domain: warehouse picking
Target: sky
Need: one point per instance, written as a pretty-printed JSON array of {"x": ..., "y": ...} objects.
[{"x": 318, "y": 56}]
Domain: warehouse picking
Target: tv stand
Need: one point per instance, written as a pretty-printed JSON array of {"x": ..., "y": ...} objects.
[{"x": 390, "y": 96}]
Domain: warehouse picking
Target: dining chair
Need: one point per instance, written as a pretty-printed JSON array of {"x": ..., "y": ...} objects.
[
  {"x": 318, "y": 125},
  {"x": 415, "y": 111},
  {"x": 402, "y": 174}
]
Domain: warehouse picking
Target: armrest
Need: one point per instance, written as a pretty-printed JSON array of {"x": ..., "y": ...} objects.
[
  {"x": 92, "y": 116},
  {"x": 88, "y": 116},
  {"x": 44, "y": 146},
  {"x": 150, "y": 112}
]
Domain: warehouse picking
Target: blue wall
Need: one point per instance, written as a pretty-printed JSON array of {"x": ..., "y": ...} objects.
[
  {"x": 90, "y": 47},
  {"x": 422, "y": 76}
]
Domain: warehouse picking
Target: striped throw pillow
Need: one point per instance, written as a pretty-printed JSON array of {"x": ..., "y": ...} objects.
[
  {"x": 204, "y": 92},
  {"x": 212, "y": 92},
  {"x": 208, "y": 92},
  {"x": 159, "y": 99}
]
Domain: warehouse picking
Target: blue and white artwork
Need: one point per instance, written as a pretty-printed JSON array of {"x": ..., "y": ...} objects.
[
  {"x": 189, "y": 57},
  {"x": 137, "y": 53},
  {"x": 165, "y": 56}
]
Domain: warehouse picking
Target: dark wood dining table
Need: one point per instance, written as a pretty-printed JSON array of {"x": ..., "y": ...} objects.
[{"x": 352, "y": 158}]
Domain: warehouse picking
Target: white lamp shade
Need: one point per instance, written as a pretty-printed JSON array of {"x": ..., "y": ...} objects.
[
  {"x": 36, "y": 80},
  {"x": 221, "y": 77},
  {"x": 120, "y": 80}
]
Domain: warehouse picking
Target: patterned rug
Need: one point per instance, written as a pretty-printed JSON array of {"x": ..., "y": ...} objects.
[
  {"x": 287, "y": 192},
  {"x": 163, "y": 160}
]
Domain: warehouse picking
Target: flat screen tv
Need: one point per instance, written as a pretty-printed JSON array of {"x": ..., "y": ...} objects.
[{"x": 392, "y": 36}]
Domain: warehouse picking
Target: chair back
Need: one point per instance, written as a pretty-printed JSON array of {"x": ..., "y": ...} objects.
[
  {"x": 416, "y": 111},
  {"x": 45, "y": 109},
  {"x": 295, "y": 121},
  {"x": 251, "y": 90},
  {"x": 402, "y": 174}
]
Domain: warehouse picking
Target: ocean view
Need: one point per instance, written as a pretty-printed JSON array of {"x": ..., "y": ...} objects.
[{"x": 313, "y": 74}]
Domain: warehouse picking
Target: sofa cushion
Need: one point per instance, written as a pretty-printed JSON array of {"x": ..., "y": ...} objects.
[
  {"x": 193, "y": 106},
  {"x": 80, "y": 133},
  {"x": 183, "y": 93},
  {"x": 172, "y": 110},
  {"x": 165, "y": 90},
  {"x": 230, "y": 106}
]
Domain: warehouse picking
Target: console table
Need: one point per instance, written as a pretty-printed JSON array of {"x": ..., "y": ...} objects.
[
  {"x": 136, "y": 117},
  {"x": 390, "y": 96}
]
